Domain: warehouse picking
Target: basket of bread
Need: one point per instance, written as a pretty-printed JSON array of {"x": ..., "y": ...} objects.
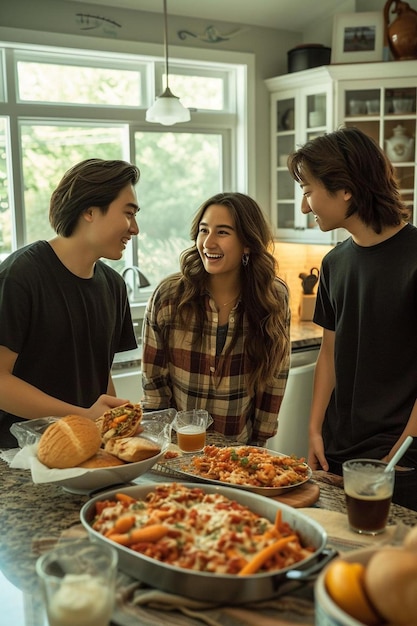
[{"x": 83, "y": 455}]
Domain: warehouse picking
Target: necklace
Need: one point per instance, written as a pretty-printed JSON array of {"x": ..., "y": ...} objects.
[{"x": 220, "y": 306}]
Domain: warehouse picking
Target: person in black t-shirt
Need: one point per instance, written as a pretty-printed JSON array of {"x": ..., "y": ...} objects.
[
  {"x": 365, "y": 387},
  {"x": 63, "y": 312}
]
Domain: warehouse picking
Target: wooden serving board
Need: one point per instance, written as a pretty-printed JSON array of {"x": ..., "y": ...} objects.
[{"x": 305, "y": 495}]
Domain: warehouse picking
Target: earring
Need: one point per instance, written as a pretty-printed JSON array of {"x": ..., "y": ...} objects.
[{"x": 245, "y": 259}]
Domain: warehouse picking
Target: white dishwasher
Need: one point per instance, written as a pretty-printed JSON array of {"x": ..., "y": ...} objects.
[
  {"x": 292, "y": 435},
  {"x": 127, "y": 374},
  {"x": 128, "y": 384}
]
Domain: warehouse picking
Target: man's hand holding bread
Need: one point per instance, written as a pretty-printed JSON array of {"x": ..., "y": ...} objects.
[{"x": 75, "y": 441}]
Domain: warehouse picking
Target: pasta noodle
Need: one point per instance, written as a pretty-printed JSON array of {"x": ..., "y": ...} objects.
[
  {"x": 249, "y": 465},
  {"x": 196, "y": 530}
]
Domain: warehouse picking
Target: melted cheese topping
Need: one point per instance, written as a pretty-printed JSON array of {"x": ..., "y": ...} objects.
[
  {"x": 249, "y": 465},
  {"x": 205, "y": 532}
]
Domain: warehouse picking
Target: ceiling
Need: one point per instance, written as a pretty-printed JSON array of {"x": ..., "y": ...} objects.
[{"x": 292, "y": 15}]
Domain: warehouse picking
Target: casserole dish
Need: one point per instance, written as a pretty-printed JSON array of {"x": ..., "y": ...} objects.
[{"x": 205, "y": 586}]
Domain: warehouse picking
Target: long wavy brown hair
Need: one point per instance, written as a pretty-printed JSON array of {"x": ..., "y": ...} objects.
[{"x": 265, "y": 306}]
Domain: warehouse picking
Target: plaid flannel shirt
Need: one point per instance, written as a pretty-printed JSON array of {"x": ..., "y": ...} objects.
[{"x": 186, "y": 373}]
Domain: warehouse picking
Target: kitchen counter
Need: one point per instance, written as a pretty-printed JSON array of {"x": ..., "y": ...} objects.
[
  {"x": 31, "y": 515},
  {"x": 305, "y": 335}
]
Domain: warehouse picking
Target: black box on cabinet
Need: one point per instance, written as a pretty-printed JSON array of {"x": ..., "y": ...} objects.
[{"x": 306, "y": 56}]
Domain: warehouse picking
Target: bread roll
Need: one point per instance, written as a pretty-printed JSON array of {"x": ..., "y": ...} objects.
[
  {"x": 102, "y": 459},
  {"x": 68, "y": 442},
  {"x": 132, "y": 449}
]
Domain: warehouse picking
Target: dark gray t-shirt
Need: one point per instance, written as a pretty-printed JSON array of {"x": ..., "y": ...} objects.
[
  {"x": 368, "y": 296},
  {"x": 65, "y": 329}
]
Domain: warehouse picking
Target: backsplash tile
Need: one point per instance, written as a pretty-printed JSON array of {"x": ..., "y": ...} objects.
[{"x": 294, "y": 259}]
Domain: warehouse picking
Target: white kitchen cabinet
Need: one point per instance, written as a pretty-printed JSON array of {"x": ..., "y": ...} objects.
[
  {"x": 300, "y": 110},
  {"x": 378, "y": 98}
]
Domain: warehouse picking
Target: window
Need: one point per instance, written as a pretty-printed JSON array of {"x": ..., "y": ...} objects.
[
  {"x": 178, "y": 172},
  {"x": 47, "y": 151},
  {"x": 74, "y": 84},
  {"x": 6, "y": 222},
  {"x": 64, "y": 106},
  {"x": 202, "y": 92}
]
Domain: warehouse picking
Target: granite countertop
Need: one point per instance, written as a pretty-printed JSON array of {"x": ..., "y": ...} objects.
[
  {"x": 305, "y": 335},
  {"x": 33, "y": 515}
]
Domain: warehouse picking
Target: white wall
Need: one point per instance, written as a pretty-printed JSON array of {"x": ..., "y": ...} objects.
[{"x": 321, "y": 31}]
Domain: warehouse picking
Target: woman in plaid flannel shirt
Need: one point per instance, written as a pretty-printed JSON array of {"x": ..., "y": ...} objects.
[{"x": 216, "y": 334}]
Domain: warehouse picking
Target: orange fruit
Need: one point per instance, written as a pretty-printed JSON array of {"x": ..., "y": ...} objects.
[{"x": 345, "y": 585}]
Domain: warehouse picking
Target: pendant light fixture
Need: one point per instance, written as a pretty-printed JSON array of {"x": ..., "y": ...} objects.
[{"x": 167, "y": 109}]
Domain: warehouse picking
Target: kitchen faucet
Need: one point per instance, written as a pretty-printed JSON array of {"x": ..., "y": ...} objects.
[{"x": 139, "y": 280}]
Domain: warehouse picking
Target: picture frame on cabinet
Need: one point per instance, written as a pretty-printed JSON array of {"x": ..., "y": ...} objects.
[{"x": 358, "y": 37}]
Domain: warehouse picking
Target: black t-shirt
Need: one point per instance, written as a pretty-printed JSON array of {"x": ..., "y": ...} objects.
[
  {"x": 65, "y": 329},
  {"x": 368, "y": 296}
]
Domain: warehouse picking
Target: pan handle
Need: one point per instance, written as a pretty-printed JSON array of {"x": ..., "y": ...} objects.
[{"x": 311, "y": 572}]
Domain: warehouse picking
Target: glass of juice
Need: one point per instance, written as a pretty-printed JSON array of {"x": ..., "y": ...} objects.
[
  {"x": 191, "y": 427},
  {"x": 368, "y": 490},
  {"x": 78, "y": 580}
]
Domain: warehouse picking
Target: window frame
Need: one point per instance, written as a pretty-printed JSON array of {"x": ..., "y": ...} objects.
[{"x": 237, "y": 127}]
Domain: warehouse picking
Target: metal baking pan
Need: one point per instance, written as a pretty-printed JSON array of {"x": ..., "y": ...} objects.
[
  {"x": 216, "y": 588},
  {"x": 182, "y": 465}
]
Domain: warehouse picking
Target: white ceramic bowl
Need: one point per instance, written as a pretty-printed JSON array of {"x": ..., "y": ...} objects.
[
  {"x": 328, "y": 613},
  {"x": 156, "y": 427},
  {"x": 89, "y": 481},
  {"x": 372, "y": 107},
  {"x": 357, "y": 107},
  {"x": 316, "y": 118},
  {"x": 403, "y": 105}
]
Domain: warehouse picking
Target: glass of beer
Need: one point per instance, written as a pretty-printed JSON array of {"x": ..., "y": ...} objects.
[
  {"x": 191, "y": 429},
  {"x": 368, "y": 490}
]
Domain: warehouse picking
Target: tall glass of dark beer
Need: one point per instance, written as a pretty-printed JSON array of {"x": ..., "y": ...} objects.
[{"x": 368, "y": 490}]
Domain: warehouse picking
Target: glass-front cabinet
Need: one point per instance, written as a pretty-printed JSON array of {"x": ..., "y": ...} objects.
[
  {"x": 388, "y": 114},
  {"x": 297, "y": 114},
  {"x": 378, "y": 98}
]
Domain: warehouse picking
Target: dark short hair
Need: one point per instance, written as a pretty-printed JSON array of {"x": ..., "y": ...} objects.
[
  {"x": 93, "y": 182},
  {"x": 349, "y": 159}
]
